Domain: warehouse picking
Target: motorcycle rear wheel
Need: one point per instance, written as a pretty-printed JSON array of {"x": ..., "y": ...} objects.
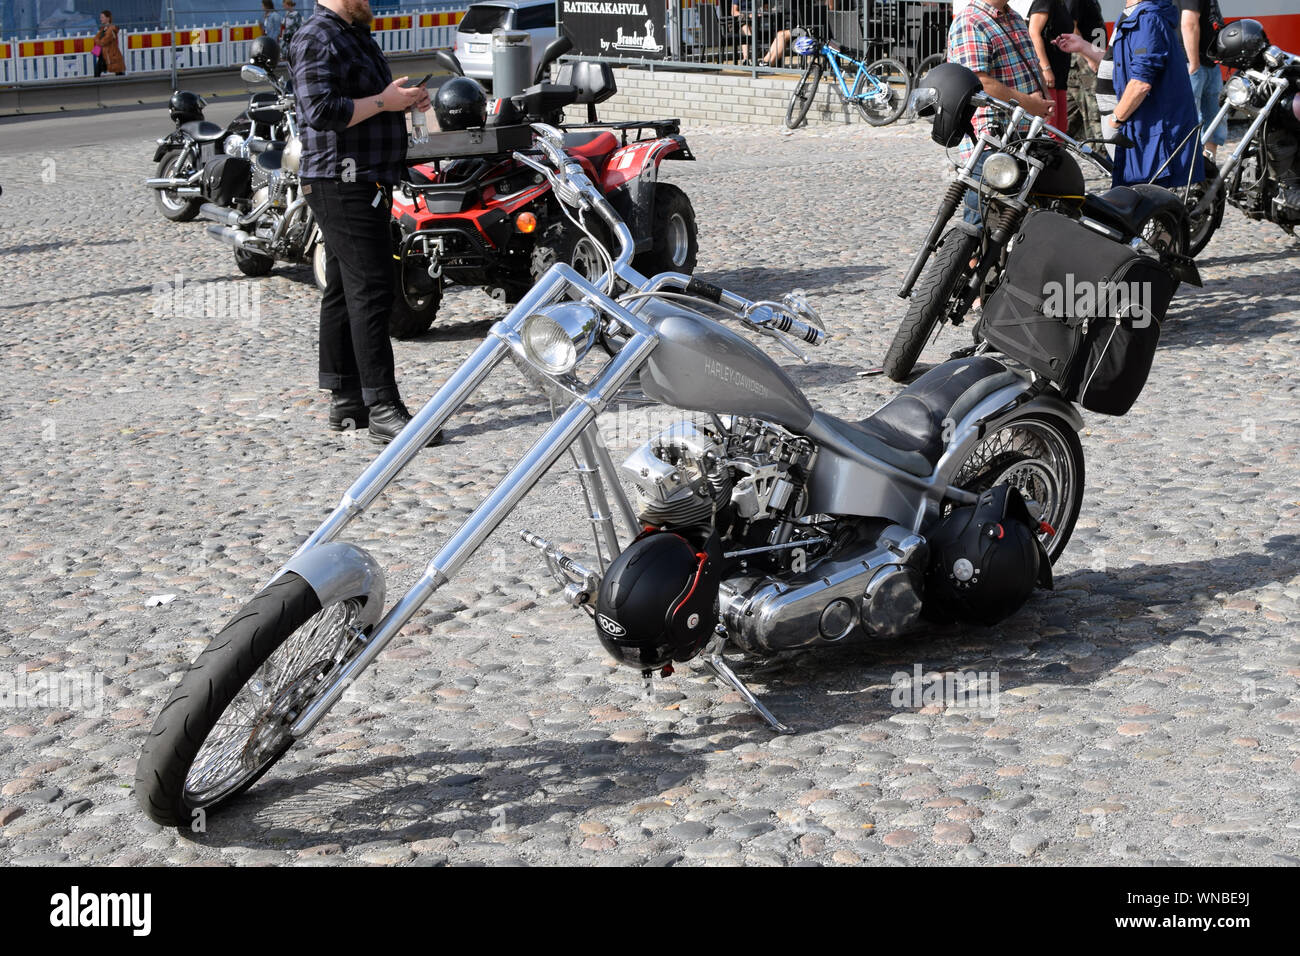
[
  {"x": 1042, "y": 457},
  {"x": 253, "y": 263},
  {"x": 170, "y": 205},
  {"x": 930, "y": 301},
  {"x": 228, "y": 720}
]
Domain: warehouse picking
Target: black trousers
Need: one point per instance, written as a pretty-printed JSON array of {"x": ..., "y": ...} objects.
[{"x": 355, "y": 352}]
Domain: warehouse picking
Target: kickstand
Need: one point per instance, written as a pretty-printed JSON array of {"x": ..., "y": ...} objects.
[{"x": 722, "y": 670}]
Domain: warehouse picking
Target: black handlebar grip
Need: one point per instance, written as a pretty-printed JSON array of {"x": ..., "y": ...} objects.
[{"x": 705, "y": 290}]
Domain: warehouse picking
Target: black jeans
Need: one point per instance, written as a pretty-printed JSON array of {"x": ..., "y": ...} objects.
[{"x": 355, "y": 352}]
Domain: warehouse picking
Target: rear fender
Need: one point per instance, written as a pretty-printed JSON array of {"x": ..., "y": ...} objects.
[
  {"x": 630, "y": 179},
  {"x": 338, "y": 571}
]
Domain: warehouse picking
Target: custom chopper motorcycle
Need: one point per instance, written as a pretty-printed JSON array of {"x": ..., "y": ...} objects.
[
  {"x": 471, "y": 214},
  {"x": 1020, "y": 173},
  {"x": 183, "y": 154},
  {"x": 764, "y": 522},
  {"x": 1262, "y": 175}
]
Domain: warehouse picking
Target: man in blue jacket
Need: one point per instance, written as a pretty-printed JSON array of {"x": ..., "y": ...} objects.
[{"x": 1155, "y": 109}]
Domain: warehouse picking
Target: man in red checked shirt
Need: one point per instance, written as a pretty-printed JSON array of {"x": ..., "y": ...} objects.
[{"x": 992, "y": 40}]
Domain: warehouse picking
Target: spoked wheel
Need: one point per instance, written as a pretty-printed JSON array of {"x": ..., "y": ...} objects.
[
  {"x": 174, "y": 207},
  {"x": 1164, "y": 232},
  {"x": 882, "y": 100},
  {"x": 228, "y": 720},
  {"x": 804, "y": 94},
  {"x": 1203, "y": 226},
  {"x": 1042, "y": 457}
]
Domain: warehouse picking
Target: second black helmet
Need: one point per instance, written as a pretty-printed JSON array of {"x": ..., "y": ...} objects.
[
  {"x": 264, "y": 52},
  {"x": 460, "y": 103}
]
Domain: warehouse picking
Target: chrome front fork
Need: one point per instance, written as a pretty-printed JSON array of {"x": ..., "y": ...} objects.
[
  {"x": 570, "y": 427},
  {"x": 1222, "y": 184}
]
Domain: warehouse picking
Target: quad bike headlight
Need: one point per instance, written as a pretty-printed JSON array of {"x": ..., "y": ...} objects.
[
  {"x": 1002, "y": 171},
  {"x": 1237, "y": 92},
  {"x": 556, "y": 337}
]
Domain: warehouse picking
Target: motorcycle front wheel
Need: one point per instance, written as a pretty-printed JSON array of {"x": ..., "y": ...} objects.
[
  {"x": 318, "y": 265},
  {"x": 1042, "y": 457},
  {"x": 172, "y": 206},
  {"x": 930, "y": 301},
  {"x": 1203, "y": 226},
  {"x": 228, "y": 720}
]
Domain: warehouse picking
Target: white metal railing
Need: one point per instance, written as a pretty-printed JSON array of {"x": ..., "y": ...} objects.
[{"x": 215, "y": 45}]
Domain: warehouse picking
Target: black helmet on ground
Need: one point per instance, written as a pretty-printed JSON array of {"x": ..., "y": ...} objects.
[
  {"x": 658, "y": 600},
  {"x": 1240, "y": 44},
  {"x": 950, "y": 103},
  {"x": 186, "y": 107},
  {"x": 264, "y": 52},
  {"x": 985, "y": 560},
  {"x": 460, "y": 103}
]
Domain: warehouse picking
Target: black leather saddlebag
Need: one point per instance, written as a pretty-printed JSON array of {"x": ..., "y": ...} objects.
[
  {"x": 1080, "y": 310},
  {"x": 225, "y": 179}
]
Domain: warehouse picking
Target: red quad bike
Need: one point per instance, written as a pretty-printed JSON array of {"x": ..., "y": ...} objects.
[{"x": 473, "y": 215}]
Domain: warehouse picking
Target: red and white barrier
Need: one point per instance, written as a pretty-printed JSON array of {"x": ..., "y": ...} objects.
[{"x": 215, "y": 45}]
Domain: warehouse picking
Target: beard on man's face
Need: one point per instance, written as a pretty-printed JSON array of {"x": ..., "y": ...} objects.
[{"x": 358, "y": 12}]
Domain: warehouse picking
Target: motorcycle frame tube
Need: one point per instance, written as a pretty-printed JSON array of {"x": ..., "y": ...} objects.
[{"x": 568, "y": 428}]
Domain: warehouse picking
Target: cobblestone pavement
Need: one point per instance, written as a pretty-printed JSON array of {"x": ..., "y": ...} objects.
[{"x": 1148, "y": 709}]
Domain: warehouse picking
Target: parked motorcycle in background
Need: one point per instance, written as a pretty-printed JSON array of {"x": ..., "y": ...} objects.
[
  {"x": 1036, "y": 170},
  {"x": 258, "y": 207},
  {"x": 1262, "y": 175},
  {"x": 758, "y": 519}
]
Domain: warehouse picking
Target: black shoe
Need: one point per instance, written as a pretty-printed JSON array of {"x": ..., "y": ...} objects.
[
  {"x": 348, "y": 411},
  {"x": 389, "y": 418}
]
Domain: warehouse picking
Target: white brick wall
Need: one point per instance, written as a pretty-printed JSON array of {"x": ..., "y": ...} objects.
[{"x": 713, "y": 97}]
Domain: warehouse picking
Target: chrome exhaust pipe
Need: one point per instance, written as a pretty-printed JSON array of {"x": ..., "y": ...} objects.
[
  {"x": 237, "y": 238},
  {"x": 231, "y": 217},
  {"x": 174, "y": 182}
]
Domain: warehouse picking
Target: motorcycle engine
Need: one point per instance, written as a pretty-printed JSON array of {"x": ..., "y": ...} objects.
[{"x": 680, "y": 476}]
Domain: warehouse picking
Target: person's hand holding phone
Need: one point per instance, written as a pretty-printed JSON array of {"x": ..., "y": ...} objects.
[
  {"x": 423, "y": 103},
  {"x": 399, "y": 97}
]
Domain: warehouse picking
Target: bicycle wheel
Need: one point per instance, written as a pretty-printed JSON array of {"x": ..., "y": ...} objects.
[
  {"x": 803, "y": 95},
  {"x": 881, "y": 90},
  {"x": 926, "y": 65}
]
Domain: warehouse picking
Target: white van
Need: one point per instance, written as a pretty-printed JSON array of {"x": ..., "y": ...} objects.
[{"x": 474, "y": 32}]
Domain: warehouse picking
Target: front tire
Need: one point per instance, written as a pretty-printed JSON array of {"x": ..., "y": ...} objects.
[
  {"x": 930, "y": 303},
  {"x": 804, "y": 94},
  {"x": 174, "y": 207},
  {"x": 318, "y": 264},
  {"x": 888, "y": 106},
  {"x": 1203, "y": 228},
  {"x": 1040, "y": 454},
  {"x": 228, "y": 720},
  {"x": 674, "y": 235}
]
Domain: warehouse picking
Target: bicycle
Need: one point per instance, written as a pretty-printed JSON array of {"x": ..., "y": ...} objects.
[{"x": 880, "y": 88}]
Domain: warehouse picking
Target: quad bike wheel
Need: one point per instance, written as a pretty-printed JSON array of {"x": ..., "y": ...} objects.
[{"x": 676, "y": 241}]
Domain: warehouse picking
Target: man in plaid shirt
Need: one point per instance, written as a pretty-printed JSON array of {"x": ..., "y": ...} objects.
[
  {"x": 992, "y": 40},
  {"x": 353, "y": 152}
]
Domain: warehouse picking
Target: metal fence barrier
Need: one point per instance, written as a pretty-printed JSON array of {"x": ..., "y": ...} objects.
[{"x": 204, "y": 47}]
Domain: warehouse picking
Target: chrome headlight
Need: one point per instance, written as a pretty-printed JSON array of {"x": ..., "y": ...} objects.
[
  {"x": 557, "y": 337},
  {"x": 1002, "y": 171},
  {"x": 1238, "y": 91},
  {"x": 292, "y": 155}
]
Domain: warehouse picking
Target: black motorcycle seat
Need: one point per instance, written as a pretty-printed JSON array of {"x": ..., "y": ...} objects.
[
  {"x": 908, "y": 431},
  {"x": 1116, "y": 207},
  {"x": 258, "y": 146},
  {"x": 203, "y": 131},
  {"x": 574, "y": 140}
]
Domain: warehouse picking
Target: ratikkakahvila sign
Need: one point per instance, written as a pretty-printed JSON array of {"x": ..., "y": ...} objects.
[{"x": 616, "y": 28}]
